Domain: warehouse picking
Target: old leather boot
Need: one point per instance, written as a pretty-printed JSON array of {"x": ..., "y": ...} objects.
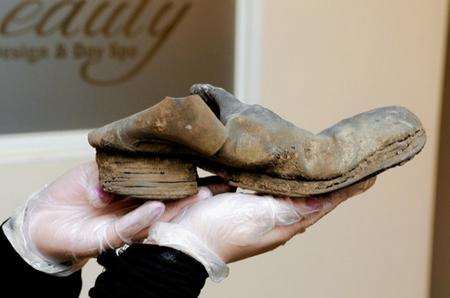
[
  {"x": 154, "y": 154},
  {"x": 147, "y": 155},
  {"x": 266, "y": 153}
]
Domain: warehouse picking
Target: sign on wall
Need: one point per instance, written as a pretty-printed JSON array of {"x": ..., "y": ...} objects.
[{"x": 71, "y": 64}]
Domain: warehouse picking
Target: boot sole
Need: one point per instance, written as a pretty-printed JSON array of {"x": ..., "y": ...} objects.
[
  {"x": 170, "y": 178},
  {"x": 394, "y": 154},
  {"x": 149, "y": 177}
]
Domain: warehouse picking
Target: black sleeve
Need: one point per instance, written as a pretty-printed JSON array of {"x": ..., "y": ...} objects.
[
  {"x": 24, "y": 281},
  {"x": 147, "y": 271}
]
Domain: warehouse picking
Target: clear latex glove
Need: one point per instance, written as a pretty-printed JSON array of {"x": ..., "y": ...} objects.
[
  {"x": 231, "y": 227},
  {"x": 72, "y": 219}
]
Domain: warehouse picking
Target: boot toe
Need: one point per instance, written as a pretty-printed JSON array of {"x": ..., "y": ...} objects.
[{"x": 375, "y": 133}]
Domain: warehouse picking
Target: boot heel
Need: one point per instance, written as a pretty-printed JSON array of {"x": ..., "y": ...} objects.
[{"x": 149, "y": 177}]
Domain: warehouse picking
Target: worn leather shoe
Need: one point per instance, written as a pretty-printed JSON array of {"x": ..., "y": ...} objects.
[
  {"x": 154, "y": 154},
  {"x": 266, "y": 153}
]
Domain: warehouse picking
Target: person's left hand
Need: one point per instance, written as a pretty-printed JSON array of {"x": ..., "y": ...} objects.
[
  {"x": 234, "y": 226},
  {"x": 72, "y": 219}
]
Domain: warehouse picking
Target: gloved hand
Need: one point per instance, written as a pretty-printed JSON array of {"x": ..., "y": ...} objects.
[
  {"x": 231, "y": 227},
  {"x": 72, "y": 219}
]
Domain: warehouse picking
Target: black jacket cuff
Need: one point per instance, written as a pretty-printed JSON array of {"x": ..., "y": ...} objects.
[
  {"x": 149, "y": 271},
  {"x": 31, "y": 281}
]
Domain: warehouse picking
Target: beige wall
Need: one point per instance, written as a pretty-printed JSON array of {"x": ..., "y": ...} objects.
[
  {"x": 440, "y": 287},
  {"x": 325, "y": 60}
]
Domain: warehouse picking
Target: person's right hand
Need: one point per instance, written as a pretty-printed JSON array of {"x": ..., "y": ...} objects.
[
  {"x": 72, "y": 219},
  {"x": 232, "y": 226}
]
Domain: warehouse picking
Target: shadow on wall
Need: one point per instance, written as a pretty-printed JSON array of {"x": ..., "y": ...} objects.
[{"x": 440, "y": 282}]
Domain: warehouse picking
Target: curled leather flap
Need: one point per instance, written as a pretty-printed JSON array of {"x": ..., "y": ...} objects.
[{"x": 185, "y": 121}]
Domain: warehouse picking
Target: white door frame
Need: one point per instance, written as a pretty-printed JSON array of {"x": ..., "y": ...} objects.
[
  {"x": 249, "y": 32},
  {"x": 70, "y": 145}
]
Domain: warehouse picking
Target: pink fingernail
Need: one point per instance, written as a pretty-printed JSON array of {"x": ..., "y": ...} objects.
[
  {"x": 158, "y": 212},
  {"x": 103, "y": 195},
  {"x": 314, "y": 204}
]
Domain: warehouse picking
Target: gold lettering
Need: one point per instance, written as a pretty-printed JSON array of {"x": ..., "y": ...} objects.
[
  {"x": 130, "y": 29},
  {"x": 89, "y": 28},
  {"x": 22, "y": 14},
  {"x": 162, "y": 35},
  {"x": 108, "y": 27},
  {"x": 159, "y": 18},
  {"x": 105, "y": 18},
  {"x": 64, "y": 26}
]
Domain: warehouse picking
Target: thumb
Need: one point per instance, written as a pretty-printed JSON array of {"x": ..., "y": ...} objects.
[
  {"x": 89, "y": 180},
  {"x": 126, "y": 229}
]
